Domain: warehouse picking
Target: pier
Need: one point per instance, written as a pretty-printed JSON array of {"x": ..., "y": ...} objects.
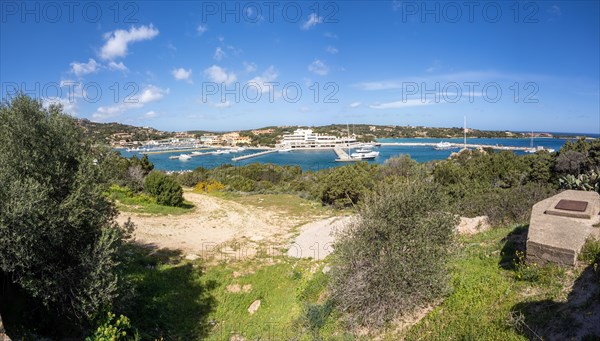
[
  {"x": 454, "y": 145},
  {"x": 342, "y": 155},
  {"x": 249, "y": 156}
]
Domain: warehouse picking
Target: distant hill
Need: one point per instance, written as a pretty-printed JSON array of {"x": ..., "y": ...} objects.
[
  {"x": 112, "y": 133},
  {"x": 109, "y": 132}
]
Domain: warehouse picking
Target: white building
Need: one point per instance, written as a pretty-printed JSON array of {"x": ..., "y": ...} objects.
[{"x": 306, "y": 139}]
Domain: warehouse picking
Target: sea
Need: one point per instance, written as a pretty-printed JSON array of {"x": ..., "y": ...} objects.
[{"x": 320, "y": 159}]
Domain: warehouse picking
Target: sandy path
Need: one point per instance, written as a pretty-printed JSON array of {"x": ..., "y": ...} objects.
[{"x": 316, "y": 239}]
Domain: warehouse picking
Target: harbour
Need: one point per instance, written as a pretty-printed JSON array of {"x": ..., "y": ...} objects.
[{"x": 420, "y": 149}]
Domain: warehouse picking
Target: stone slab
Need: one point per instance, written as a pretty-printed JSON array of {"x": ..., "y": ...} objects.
[{"x": 558, "y": 238}]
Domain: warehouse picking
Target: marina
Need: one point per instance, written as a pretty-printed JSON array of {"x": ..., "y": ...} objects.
[{"x": 420, "y": 149}]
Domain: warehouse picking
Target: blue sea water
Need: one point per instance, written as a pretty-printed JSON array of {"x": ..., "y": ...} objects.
[{"x": 320, "y": 159}]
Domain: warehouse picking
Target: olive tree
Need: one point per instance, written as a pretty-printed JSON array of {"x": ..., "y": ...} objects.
[
  {"x": 58, "y": 236},
  {"x": 392, "y": 259}
]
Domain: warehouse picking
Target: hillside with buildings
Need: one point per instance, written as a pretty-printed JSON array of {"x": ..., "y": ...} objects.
[{"x": 127, "y": 136}]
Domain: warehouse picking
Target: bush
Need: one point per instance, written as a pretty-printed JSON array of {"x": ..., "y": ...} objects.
[
  {"x": 345, "y": 186},
  {"x": 208, "y": 186},
  {"x": 393, "y": 259},
  {"x": 164, "y": 189},
  {"x": 190, "y": 179},
  {"x": 113, "y": 330},
  {"x": 505, "y": 206}
]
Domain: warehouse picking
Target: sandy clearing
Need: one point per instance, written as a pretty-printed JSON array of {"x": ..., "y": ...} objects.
[{"x": 214, "y": 226}]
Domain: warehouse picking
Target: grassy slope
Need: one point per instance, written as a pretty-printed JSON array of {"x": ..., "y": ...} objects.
[{"x": 181, "y": 299}]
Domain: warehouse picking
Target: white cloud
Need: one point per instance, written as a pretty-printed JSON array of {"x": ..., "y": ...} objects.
[
  {"x": 219, "y": 54},
  {"x": 69, "y": 106},
  {"x": 268, "y": 76},
  {"x": 117, "y": 41},
  {"x": 318, "y": 67},
  {"x": 312, "y": 20},
  {"x": 330, "y": 35},
  {"x": 201, "y": 29},
  {"x": 249, "y": 67},
  {"x": 117, "y": 66},
  {"x": 80, "y": 69},
  {"x": 401, "y": 104},
  {"x": 331, "y": 49},
  {"x": 220, "y": 75},
  {"x": 150, "y": 114},
  {"x": 355, "y": 104},
  {"x": 149, "y": 94},
  {"x": 182, "y": 74}
]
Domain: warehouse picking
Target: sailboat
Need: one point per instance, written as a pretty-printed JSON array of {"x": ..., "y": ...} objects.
[{"x": 533, "y": 150}]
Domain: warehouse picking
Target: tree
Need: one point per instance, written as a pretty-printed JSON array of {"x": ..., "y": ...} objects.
[
  {"x": 393, "y": 259},
  {"x": 571, "y": 162},
  {"x": 166, "y": 190},
  {"x": 58, "y": 237}
]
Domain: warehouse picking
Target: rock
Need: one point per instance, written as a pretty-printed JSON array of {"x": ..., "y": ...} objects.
[
  {"x": 254, "y": 307},
  {"x": 191, "y": 257},
  {"x": 326, "y": 269},
  {"x": 473, "y": 225}
]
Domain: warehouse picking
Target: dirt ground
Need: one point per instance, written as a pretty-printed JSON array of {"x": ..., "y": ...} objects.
[{"x": 216, "y": 226}]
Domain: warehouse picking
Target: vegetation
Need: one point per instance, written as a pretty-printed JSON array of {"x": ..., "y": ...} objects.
[
  {"x": 164, "y": 189},
  {"x": 393, "y": 260},
  {"x": 488, "y": 302},
  {"x": 59, "y": 242},
  {"x": 103, "y": 132},
  {"x": 129, "y": 201}
]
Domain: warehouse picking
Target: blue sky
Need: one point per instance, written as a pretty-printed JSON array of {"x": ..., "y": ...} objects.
[{"x": 187, "y": 65}]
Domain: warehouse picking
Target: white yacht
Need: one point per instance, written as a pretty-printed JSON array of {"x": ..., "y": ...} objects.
[
  {"x": 184, "y": 157},
  {"x": 365, "y": 156},
  {"x": 443, "y": 145}
]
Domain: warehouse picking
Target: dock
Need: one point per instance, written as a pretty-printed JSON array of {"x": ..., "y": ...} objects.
[
  {"x": 249, "y": 156},
  {"x": 342, "y": 156},
  {"x": 454, "y": 145}
]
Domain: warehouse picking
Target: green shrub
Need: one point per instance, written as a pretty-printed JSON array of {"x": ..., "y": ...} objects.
[
  {"x": 190, "y": 179},
  {"x": 504, "y": 206},
  {"x": 113, "y": 330},
  {"x": 164, "y": 189},
  {"x": 393, "y": 259},
  {"x": 345, "y": 186}
]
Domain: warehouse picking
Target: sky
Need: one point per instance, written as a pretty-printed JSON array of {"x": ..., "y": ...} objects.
[{"x": 222, "y": 65}]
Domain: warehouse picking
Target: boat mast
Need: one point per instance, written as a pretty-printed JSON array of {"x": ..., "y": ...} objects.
[
  {"x": 465, "y": 132},
  {"x": 532, "y": 139}
]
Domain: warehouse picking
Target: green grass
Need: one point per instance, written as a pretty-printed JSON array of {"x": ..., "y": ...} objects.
[
  {"x": 485, "y": 292},
  {"x": 143, "y": 203},
  {"x": 286, "y": 204},
  {"x": 182, "y": 300}
]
